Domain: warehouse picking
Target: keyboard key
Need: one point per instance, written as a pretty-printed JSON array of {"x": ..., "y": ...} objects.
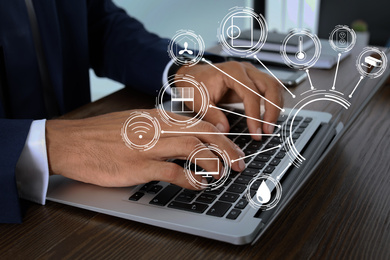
[
  {"x": 241, "y": 204},
  {"x": 295, "y": 136},
  {"x": 247, "y": 159},
  {"x": 243, "y": 139},
  {"x": 241, "y": 144},
  {"x": 229, "y": 197},
  {"x": 243, "y": 179},
  {"x": 233, "y": 214},
  {"x": 155, "y": 189},
  {"x": 265, "y": 138},
  {"x": 206, "y": 198},
  {"x": 276, "y": 140},
  {"x": 270, "y": 152},
  {"x": 192, "y": 191},
  {"x": 285, "y": 148},
  {"x": 236, "y": 188},
  {"x": 250, "y": 151},
  {"x": 262, "y": 158},
  {"x": 275, "y": 162},
  {"x": 146, "y": 187},
  {"x": 241, "y": 124},
  {"x": 215, "y": 191},
  {"x": 250, "y": 172},
  {"x": 165, "y": 195},
  {"x": 136, "y": 196},
  {"x": 299, "y": 130},
  {"x": 255, "y": 185},
  {"x": 269, "y": 169},
  {"x": 256, "y": 165},
  {"x": 308, "y": 120},
  {"x": 219, "y": 209},
  {"x": 255, "y": 145},
  {"x": 227, "y": 181},
  {"x": 294, "y": 123},
  {"x": 233, "y": 174},
  {"x": 303, "y": 125},
  {"x": 252, "y": 192},
  {"x": 194, "y": 207},
  {"x": 280, "y": 155},
  {"x": 270, "y": 145},
  {"x": 236, "y": 129},
  {"x": 185, "y": 197},
  {"x": 232, "y": 137}
]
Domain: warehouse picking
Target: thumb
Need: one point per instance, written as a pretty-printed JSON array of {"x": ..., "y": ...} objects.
[{"x": 217, "y": 118}]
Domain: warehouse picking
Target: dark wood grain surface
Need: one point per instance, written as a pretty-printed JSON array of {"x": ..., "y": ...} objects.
[{"x": 342, "y": 213}]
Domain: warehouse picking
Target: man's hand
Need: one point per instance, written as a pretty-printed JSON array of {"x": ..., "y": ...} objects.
[
  {"x": 92, "y": 150},
  {"x": 223, "y": 89}
]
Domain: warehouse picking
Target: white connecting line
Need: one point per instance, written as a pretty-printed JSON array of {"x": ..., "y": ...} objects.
[
  {"x": 337, "y": 69},
  {"x": 262, "y": 64},
  {"x": 242, "y": 84},
  {"x": 308, "y": 76},
  {"x": 281, "y": 174},
  {"x": 215, "y": 133},
  {"x": 232, "y": 161},
  {"x": 228, "y": 111},
  {"x": 353, "y": 91}
]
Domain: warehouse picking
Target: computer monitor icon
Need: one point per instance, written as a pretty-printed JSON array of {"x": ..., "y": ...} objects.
[{"x": 199, "y": 171}]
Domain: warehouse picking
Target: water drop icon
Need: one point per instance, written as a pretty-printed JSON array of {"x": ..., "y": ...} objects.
[{"x": 263, "y": 193}]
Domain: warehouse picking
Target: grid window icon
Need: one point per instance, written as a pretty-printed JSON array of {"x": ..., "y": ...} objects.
[{"x": 182, "y": 100}]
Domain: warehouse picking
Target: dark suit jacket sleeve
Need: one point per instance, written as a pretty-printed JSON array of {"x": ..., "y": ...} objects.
[
  {"x": 13, "y": 134},
  {"x": 121, "y": 48}
]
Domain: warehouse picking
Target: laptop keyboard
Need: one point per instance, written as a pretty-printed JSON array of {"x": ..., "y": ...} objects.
[{"x": 227, "y": 201}]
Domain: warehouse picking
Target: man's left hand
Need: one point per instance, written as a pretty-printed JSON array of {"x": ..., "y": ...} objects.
[{"x": 223, "y": 89}]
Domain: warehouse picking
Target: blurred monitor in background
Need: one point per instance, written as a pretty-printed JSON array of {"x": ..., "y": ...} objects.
[
  {"x": 322, "y": 16},
  {"x": 284, "y": 15}
]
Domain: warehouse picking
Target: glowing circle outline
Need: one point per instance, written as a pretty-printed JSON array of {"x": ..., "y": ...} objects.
[
  {"x": 247, "y": 51},
  {"x": 342, "y": 49},
  {"x": 186, "y": 62},
  {"x": 221, "y": 154},
  {"x": 156, "y": 135},
  {"x": 268, "y": 205},
  {"x": 286, "y": 133},
  {"x": 380, "y": 71},
  {"x": 312, "y": 61},
  {"x": 191, "y": 121}
]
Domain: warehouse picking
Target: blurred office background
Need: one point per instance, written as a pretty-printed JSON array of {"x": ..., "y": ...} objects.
[{"x": 203, "y": 16}]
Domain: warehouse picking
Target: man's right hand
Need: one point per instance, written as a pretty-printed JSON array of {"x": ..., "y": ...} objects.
[{"x": 92, "y": 150}]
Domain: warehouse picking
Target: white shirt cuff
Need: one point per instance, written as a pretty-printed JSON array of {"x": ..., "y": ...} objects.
[
  {"x": 32, "y": 170},
  {"x": 165, "y": 76}
]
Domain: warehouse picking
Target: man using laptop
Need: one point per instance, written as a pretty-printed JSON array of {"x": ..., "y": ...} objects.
[{"x": 46, "y": 50}]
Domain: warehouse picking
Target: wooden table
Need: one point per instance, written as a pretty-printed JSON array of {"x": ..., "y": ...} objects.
[{"x": 343, "y": 211}]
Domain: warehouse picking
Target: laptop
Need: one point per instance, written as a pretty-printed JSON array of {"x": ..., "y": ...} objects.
[{"x": 233, "y": 212}]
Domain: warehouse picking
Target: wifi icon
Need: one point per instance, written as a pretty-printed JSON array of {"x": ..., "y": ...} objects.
[
  {"x": 140, "y": 128},
  {"x": 141, "y": 131}
]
